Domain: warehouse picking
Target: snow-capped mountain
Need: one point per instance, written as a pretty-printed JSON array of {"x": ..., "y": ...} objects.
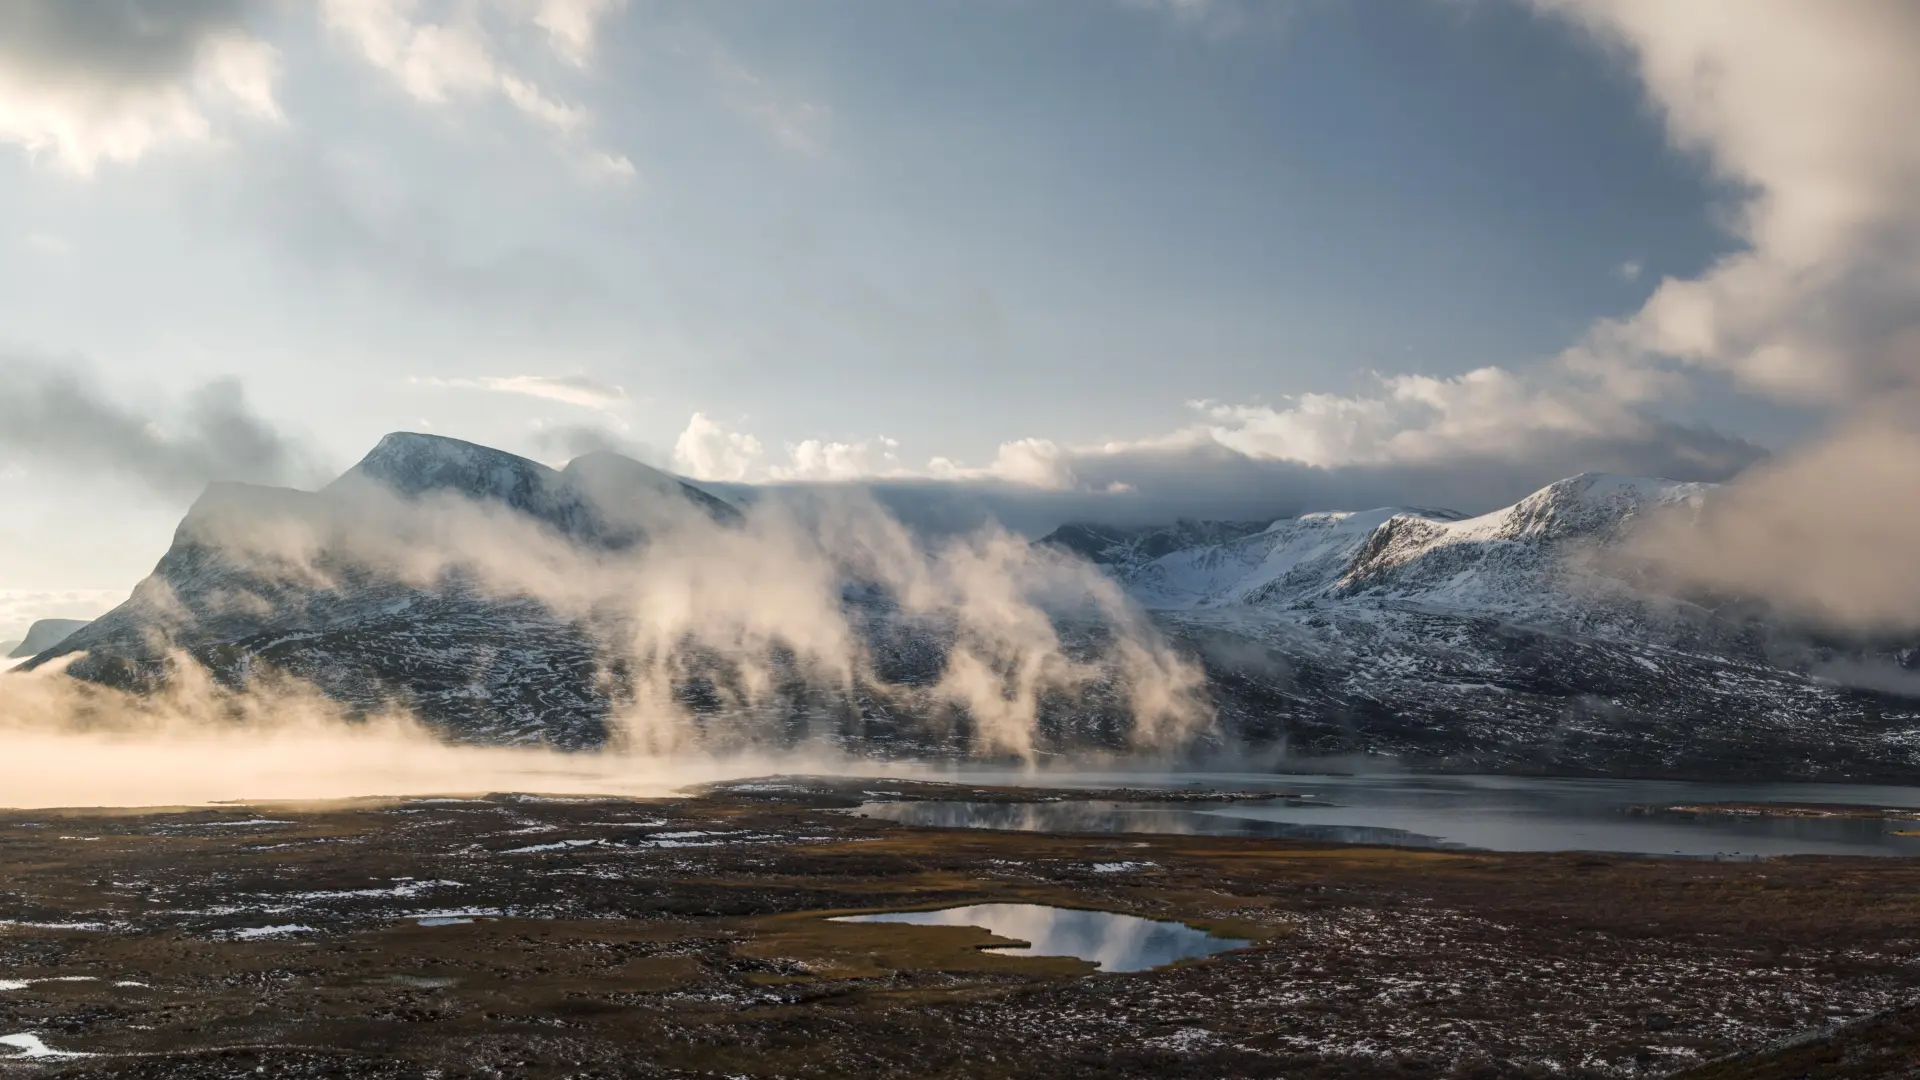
[
  {"x": 1519, "y": 640},
  {"x": 1522, "y": 639},
  {"x": 1543, "y": 559}
]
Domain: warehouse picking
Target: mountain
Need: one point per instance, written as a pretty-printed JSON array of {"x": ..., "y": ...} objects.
[
  {"x": 1127, "y": 548},
  {"x": 1520, "y": 640},
  {"x": 44, "y": 634},
  {"x": 1523, "y": 640},
  {"x": 480, "y": 665}
]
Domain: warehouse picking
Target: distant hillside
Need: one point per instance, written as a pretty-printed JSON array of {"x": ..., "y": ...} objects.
[{"x": 44, "y": 634}]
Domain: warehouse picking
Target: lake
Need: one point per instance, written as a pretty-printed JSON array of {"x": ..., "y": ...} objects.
[
  {"x": 1493, "y": 813},
  {"x": 1113, "y": 941}
]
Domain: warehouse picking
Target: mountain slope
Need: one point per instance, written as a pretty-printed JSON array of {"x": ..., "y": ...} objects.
[
  {"x": 480, "y": 665},
  {"x": 44, "y": 634},
  {"x": 1519, "y": 640}
]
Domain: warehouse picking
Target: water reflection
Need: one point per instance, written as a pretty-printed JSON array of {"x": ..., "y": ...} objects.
[
  {"x": 1487, "y": 813},
  {"x": 1114, "y": 942}
]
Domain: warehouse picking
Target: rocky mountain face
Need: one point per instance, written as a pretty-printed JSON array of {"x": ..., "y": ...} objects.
[
  {"x": 1520, "y": 640},
  {"x": 1517, "y": 641},
  {"x": 480, "y": 664},
  {"x": 1125, "y": 549}
]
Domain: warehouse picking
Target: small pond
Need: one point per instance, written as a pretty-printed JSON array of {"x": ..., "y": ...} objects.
[{"x": 1114, "y": 942}]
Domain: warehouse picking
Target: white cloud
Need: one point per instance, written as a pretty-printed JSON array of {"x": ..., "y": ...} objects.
[
  {"x": 815, "y": 459},
  {"x": 1421, "y": 418},
  {"x": 581, "y": 390},
  {"x": 1809, "y": 108},
  {"x": 604, "y": 167},
  {"x": 1629, "y": 270},
  {"x": 1040, "y": 463},
  {"x": 708, "y": 451},
  {"x": 457, "y": 57},
  {"x": 572, "y": 25},
  {"x": 438, "y": 62},
  {"x": 82, "y": 84},
  {"x": 1400, "y": 420}
]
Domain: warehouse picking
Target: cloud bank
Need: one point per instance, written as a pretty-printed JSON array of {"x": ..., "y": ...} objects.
[
  {"x": 54, "y": 416},
  {"x": 1806, "y": 109}
]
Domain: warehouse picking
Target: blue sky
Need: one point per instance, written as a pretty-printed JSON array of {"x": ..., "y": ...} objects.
[{"x": 1085, "y": 246}]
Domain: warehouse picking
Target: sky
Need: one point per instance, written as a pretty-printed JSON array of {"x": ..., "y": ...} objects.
[{"x": 1053, "y": 258}]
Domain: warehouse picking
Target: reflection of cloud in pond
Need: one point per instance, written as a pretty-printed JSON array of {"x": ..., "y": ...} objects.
[{"x": 1114, "y": 942}]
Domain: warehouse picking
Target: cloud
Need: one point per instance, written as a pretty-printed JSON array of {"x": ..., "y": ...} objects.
[
  {"x": 21, "y": 608},
  {"x": 1426, "y": 446},
  {"x": 601, "y": 166},
  {"x": 571, "y": 25},
  {"x": 456, "y": 57},
  {"x": 1489, "y": 418},
  {"x": 1628, "y": 271},
  {"x": 1821, "y": 533},
  {"x": 581, "y": 390},
  {"x": 755, "y": 608},
  {"x": 82, "y": 81},
  {"x": 53, "y": 415},
  {"x": 708, "y": 451},
  {"x": 1040, "y": 463},
  {"x": 816, "y": 460},
  {"x": 576, "y": 440},
  {"x": 1806, "y": 109}
]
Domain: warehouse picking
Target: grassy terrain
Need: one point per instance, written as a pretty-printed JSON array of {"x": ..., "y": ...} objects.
[{"x": 689, "y": 937}]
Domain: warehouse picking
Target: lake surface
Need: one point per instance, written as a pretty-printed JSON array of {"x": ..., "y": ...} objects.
[
  {"x": 1115, "y": 942},
  {"x": 1493, "y": 813}
]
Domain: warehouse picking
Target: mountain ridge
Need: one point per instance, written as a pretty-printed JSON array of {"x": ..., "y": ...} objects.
[{"x": 1512, "y": 641}]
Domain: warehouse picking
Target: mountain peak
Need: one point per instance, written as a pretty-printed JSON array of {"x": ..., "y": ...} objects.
[{"x": 413, "y": 463}]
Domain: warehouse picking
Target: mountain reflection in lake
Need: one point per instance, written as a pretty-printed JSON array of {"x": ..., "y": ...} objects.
[
  {"x": 1112, "y": 941},
  {"x": 1486, "y": 813}
]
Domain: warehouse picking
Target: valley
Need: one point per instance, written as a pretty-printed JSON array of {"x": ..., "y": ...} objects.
[{"x": 503, "y": 935}]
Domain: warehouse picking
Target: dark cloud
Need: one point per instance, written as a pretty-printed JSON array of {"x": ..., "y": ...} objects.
[
  {"x": 53, "y": 415},
  {"x": 129, "y": 42}
]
